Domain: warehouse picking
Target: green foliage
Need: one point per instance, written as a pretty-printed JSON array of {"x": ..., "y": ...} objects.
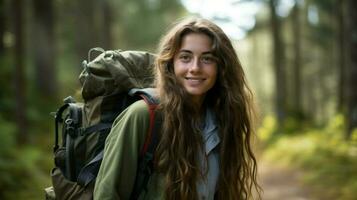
[
  {"x": 354, "y": 136},
  {"x": 24, "y": 174},
  {"x": 268, "y": 128},
  {"x": 7, "y": 135},
  {"x": 6, "y": 103},
  {"x": 32, "y": 174},
  {"x": 328, "y": 160},
  {"x": 7, "y": 130}
]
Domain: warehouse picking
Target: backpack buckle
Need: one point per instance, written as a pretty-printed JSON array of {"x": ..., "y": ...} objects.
[{"x": 70, "y": 128}]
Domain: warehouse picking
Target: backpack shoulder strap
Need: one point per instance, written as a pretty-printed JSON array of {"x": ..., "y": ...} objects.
[
  {"x": 151, "y": 138},
  {"x": 148, "y": 95},
  {"x": 145, "y": 164}
]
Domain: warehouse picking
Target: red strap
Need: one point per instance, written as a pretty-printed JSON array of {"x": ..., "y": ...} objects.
[{"x": 152, "y": 108}]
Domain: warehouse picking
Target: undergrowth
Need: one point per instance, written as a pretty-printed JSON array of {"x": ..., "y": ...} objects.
[{"x": 327, "y": 160}]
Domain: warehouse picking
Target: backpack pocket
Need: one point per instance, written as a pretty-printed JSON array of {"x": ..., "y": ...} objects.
[{"x": 68, "y": 190}]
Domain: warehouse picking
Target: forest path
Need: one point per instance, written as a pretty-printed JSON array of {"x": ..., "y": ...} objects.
[{"x": 280, "y": 183}]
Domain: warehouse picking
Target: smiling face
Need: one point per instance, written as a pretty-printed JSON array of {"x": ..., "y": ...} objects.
[{"x": 195, "y": 65}]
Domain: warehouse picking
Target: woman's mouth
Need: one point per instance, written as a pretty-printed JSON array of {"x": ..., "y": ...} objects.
[{"x": 194, "y": 81}]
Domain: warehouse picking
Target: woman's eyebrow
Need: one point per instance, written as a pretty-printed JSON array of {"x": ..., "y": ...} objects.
[
  {"x": 185, "y": 51},
  {"x": 189, "y": 51},
  {"x": 208, "y": 52}
]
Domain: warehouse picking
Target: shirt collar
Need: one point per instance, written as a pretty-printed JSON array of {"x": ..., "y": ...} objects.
[
  {"x": 210, "y": 122},
  {"x": 210, "y": 131}
]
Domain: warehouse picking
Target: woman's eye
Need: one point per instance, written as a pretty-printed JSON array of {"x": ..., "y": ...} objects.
[
  {"x": 185, "y": 58},
  {"x": 208, "y": 59}
]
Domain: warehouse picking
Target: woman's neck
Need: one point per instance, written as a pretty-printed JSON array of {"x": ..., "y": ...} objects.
[{"x": 198, "y": 104}]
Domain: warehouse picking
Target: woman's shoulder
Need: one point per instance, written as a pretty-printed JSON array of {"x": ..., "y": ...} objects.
[
  {"x": 135, "y": 116},
  {"x": 138, "y": 109}
]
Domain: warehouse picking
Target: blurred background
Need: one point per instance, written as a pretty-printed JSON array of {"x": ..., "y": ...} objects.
[{"x": 300, "y": 57}]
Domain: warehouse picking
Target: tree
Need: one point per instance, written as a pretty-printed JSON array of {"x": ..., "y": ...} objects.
[
  {"x": 107, "y": 25},
  {"x": 2, "y": 25},
  {"x": 342, "y": 54},
  {"x": 351, "y": 98},
  {"x": 278, "y": 56},
  {"x": 320, "y": 59},
  {"x": 143, "y": 22},
  {"x": 297, "y": 59},
  {"x": 91, "y": 25},
  {"x": 19, "y": 73},
  {"x": 85, "y": 27},
  {"x": 44, "y": 51}
]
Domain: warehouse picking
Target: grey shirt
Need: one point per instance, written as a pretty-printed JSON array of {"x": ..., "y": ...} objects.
[{"x": 209, "y": 158}]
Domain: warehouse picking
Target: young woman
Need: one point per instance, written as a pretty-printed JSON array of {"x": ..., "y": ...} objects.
[{"x": 204, "y": 150}]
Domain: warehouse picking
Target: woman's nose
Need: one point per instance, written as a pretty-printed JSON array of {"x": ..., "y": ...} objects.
[{"x": 195, "y": 65}]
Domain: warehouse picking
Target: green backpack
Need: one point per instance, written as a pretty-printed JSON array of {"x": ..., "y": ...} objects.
[{"x": 110, "y": 83}]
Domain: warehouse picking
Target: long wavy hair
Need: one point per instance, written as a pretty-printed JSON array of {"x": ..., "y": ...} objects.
[{"x": 231, "y": 100}]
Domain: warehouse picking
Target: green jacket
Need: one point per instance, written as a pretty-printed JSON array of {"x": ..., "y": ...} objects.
[
  {"x": 116, "y": 175},
  {"x": 117, "y": 172}
]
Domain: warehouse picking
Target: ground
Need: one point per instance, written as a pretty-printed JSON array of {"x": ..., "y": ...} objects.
[{"x": 280, "y": 183}]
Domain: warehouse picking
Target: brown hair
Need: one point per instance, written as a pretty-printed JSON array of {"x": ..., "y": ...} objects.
[{"x": 230, "y": 98}]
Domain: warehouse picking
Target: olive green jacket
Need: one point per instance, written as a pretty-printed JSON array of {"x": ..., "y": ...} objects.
[
  {"x": 116, "y": 175},
  {"x": 123, "y": 145}
]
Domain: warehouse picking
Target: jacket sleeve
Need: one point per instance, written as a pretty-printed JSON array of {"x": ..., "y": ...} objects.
[{"x": 117, "y": 172}]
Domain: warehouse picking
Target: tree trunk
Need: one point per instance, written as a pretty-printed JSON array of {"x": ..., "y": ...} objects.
[
  {"x": 297, "y": 61},
  {"x": 44, "y": 49},
  {"x": 278, "y": 51},
  {"x": 86, "y": 31},
  {"x": 107, "y": 25},
  {"x": 341, "y": 55},
  {"x": 352, "y": 68},
  {"x": 19, "y": 73},
  {"x": 2, "y": 26}
]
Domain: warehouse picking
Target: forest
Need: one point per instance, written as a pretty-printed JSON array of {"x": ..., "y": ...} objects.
[{"x": 300, "y": 58}]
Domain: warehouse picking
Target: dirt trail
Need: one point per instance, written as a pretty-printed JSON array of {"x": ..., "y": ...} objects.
[{"x": 281, "y": 184}]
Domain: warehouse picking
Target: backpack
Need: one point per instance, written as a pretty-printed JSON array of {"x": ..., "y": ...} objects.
[{"x": 110, "y": 83}]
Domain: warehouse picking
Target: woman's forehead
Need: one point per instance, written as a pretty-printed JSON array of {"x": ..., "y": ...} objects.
[{"x": 196, "y": 42}]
